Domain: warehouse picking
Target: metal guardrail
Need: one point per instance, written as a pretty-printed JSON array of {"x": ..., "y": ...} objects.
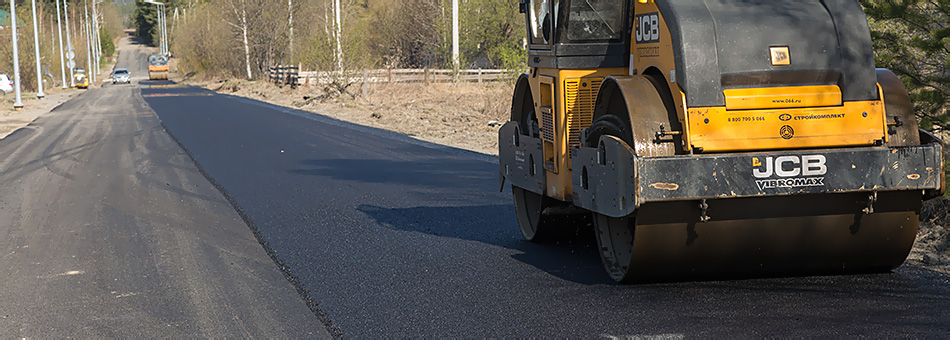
[{"x": 291, "y": 75}]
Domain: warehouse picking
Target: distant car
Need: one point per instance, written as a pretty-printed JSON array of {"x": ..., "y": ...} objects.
[
  {"x": 80, "y": 78},
  {"x": 6, "y": 85},
  {"x": 121, "y": 75}
]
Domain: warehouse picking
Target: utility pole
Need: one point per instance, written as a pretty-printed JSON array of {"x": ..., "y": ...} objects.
[
  {"x": 36, "y": 48},
  {"x": 164, "y": 31},
  {"x": 290, "y": 23},
  {"x": 339, "y": 35},
  {"x": 17, "y": 102},
  {"x": 59, "y": 31},
  {"x": 165, "y": 21},
  {"x": 161, "y": 30},
  {"x": 455, "y": 35},
  {"x": 88, "y": 42},
  {"x": 175, "y": 21},
  {"x": 96, "y": 47},
  {"x": 70, "y": 50}
]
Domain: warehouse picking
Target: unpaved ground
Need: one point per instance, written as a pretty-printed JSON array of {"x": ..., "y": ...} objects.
[
  {"x": 12, "y": 120},
  {"x": 932, "y": 248}
]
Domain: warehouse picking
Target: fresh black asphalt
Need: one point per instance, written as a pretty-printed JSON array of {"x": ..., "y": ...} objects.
[{"x": 390, "y": 237}]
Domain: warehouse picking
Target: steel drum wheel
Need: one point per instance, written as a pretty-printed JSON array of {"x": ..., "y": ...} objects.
[
  {"x": 615, "y": 241},
  {"x": 528, "y": 208},
  {"x": 820, "y": 233}
]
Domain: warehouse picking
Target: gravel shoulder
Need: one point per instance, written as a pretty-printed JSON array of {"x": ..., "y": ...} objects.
[{"x": 12, "y": 120}]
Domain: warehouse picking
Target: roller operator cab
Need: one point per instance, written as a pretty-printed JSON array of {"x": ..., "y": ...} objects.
[{"x": 718, "y": 136}]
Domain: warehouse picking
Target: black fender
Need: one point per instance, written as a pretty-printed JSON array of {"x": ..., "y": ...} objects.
[
  {"x": 521, "y": 97},
  {"x": 636, "y": 99},
  {"x": 520, "y": 155},
  {"x": 902, "y": 127},
  {"x": 604, "y": 178}
]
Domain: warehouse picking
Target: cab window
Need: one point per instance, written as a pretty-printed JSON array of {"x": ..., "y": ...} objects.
[
  {"x": 589, "y": 20},
  {"x": 541, "y": 18}
]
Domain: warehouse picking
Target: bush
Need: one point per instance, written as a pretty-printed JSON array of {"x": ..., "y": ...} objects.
[{"x": 105, "y": 41}]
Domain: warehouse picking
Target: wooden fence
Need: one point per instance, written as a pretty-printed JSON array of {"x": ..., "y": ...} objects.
[
  {"x": 291, "y": 75},
  {"x": 284, "y": 75}
]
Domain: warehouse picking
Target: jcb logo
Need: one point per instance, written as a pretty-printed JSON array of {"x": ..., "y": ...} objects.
[
  {"x": 648, "y": 28},
  {"x": 789, "y": 166}
]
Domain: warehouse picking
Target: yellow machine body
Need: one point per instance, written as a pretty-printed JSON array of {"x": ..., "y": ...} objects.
[
  {"x": 564, "y": 107},
  {"x": 773, "y": 154}
]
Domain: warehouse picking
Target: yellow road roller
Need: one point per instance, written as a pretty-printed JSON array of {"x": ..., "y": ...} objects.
[
  {"x": 716, "y": 137},
  {"x": 80, "y": 79},
  {"x": 157, "y": 67}
]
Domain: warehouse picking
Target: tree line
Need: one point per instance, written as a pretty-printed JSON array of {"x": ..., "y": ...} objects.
[
  {"x": 111, "y": 25},
  {"x": 242, "y": 38}
]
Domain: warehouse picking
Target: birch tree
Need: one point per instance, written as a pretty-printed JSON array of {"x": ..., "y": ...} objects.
[{"x": 238, "y": 20}]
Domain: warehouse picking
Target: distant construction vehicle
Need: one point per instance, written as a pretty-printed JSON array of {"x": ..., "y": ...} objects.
[
  {"x": 717, "y": 136},
  {"x": 80, "y": 79},
  {"x": 157, "y": 67}
]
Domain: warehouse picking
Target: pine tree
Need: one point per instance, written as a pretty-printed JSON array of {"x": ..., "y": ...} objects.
[{"x": 912, "y": 39}]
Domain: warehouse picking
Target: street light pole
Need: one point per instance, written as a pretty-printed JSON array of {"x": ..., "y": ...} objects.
[
  {"x": 88, "y": 42},
  {"x": 59, "y": 31},
  {"x": 161, "y": 14},
  {"x": 161, "y": 29},
  {"x": 69, "y": 44},
  {"x": 98, "y": 38},
  {"x": 455, "y": 35},
  {"x": 36, "y": 45},
  {"x": 160, "y": 17},
  {"x": 95, "y": 39},
  {"x": 164, "y": 30},
  {"x": 17, "y": 102},
  {"x": 339, "y": 35}
]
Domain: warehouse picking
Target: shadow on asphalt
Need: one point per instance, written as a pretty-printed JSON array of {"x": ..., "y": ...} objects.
[
  {"x": 572, "y": 257},
  {"x": 573, "y": 254},
  {"x": 160, "y": 83},
  {"x": 436, "y": 173}
]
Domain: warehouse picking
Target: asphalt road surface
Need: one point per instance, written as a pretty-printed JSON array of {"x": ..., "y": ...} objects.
[
  {"x": 368, "y": 234},
  {"x": 396, "y": 237},
  {"x": 108, "y": 229}
]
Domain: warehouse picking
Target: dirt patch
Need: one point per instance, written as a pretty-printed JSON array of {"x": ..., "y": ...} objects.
[
  {"x": 932, "y": 246},
  {"x": 12, "y": 120},
  {"x": 465, "y": 115}
]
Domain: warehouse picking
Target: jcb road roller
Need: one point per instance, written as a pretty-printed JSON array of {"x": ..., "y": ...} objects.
[
  {"x": 157, "y": 67},
  {"x": 715, "y": 137}
]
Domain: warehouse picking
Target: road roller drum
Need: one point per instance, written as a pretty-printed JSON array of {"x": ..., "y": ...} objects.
[{"x": 716, "y": 137}]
